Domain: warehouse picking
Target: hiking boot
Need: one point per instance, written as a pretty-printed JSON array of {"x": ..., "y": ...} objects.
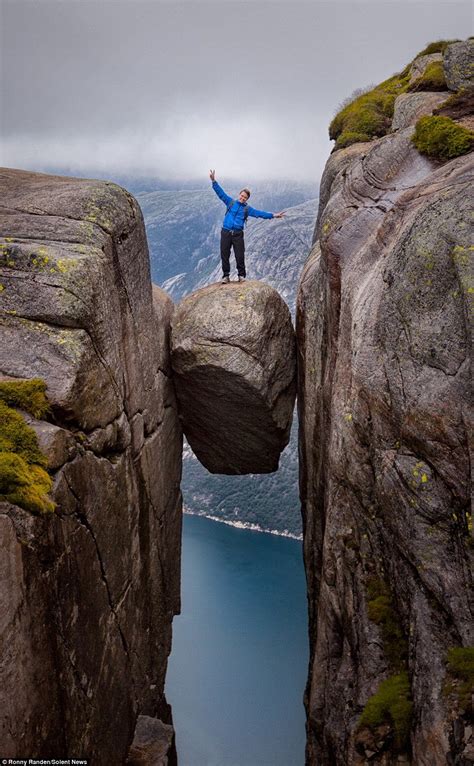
[
  {"x": 225, "y": 280},
  {"x": 241, "y": 279}
]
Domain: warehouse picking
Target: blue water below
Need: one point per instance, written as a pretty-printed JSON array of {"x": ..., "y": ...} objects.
[{"x": 238, "y": 668}]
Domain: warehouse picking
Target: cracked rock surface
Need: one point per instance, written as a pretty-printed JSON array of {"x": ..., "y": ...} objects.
[
  {"x": 384, "y": 343},
  {"x": 88, "y": 592},
  {"x": 234, "y": 363}
]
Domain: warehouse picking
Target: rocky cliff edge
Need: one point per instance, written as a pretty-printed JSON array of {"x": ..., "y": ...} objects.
[
  {"x": 384, "y": 340},
  {"x": 89, "y": 589}
]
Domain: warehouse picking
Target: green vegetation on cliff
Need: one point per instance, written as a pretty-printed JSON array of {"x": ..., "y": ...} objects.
[
  {"x": 28, "y": 395},
  {"x": 460, "y": 104},
  {"x": 368, "y": 115},
  {"x": 460, "y": 676},
  {"x": 432, "y": 78},
  {"x": 23, "y": 478},
  {"x": 438, "y": 46},
  {"x": 441, "y": 138},
  {"x": 391, "y": 704},
  {"x": 380, "y": 610}
]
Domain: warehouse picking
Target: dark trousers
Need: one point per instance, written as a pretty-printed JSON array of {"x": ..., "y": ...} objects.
[{"x": 233, "y": 239}]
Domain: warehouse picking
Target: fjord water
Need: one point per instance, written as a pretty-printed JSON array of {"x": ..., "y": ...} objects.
[{"x": 238, "y": 667}]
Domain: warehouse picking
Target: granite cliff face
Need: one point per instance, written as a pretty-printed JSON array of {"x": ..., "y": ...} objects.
[
  {"x": 89, "y": 590},
  {"x": 384, "y": 340}
]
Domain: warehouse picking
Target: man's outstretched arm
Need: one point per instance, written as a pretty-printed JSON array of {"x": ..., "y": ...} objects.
[
  {"x": 218, "y": 189},
  {"x": 263, "y": 214}
]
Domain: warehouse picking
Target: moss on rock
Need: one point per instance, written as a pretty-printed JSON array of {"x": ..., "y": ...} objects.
[
  {"x": 438, "y": 46},
  {"x": 380, "y": 610},
  {"x": 460, "y": 676},
  {"x": 391, "y": 704},
  {"x": 28, "y": 395},
  {"x": 432, "y": 78},
  {"x": 369, "y": 115},
  {"x": 349, "y": 137},
  {"x": 441, "y": 138},
  {"x": 23, "y": 478},
  {"x": 24, "y": 484},
  {"x": 460, "y": 104}
]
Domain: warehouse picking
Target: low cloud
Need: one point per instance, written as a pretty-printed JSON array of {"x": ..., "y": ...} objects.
[
  {"x": 186, "y": 146},
  {"x": 169, "y": 89}
]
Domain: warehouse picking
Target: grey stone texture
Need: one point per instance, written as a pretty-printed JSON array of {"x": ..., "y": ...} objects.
[
  {"x": 88, "y": 592},
  {"x": 384, "y": 339},
  {"x": 409, "y": 107},
  {"x": 233, "y": 355},
  {"x": 153, "y": 743},
  {"x": 458, "y": 65}
]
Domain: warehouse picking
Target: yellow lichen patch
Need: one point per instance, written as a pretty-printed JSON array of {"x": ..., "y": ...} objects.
[
  {"x": 348, "y": 416},
  {"x": 421, "y": 476},
  {"x": 2, "y": 287},
  {"x": 65, "y": 264},
  {"x": 38, "y": 260},
  {"x": 460, "y": 255}
]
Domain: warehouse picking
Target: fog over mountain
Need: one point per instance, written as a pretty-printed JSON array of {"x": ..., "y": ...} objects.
[{"x": 172, "y": 88}]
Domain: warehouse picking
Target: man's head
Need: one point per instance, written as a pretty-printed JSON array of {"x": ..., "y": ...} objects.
[{"x": 244, "y": 195}]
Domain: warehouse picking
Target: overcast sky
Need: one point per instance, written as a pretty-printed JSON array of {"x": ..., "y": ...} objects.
[{"x": 173, "y": 88}]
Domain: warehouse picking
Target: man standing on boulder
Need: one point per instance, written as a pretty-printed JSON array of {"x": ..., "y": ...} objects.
[{"x": 232, "y": 232}]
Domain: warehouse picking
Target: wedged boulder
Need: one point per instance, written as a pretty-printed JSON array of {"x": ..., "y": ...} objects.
[{"x": 233, "y": 355}]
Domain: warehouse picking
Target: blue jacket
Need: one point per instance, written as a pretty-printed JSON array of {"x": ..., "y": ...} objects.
[{"x": 234, "y": 218}]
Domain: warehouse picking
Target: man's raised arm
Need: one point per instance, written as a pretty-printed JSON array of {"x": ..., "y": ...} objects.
[{"x": 218, "y": 189}]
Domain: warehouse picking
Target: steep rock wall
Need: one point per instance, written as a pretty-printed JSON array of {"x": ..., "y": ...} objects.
[
  {"x": 88, "y": 592},
  {"x": 384, "y": 340}
]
